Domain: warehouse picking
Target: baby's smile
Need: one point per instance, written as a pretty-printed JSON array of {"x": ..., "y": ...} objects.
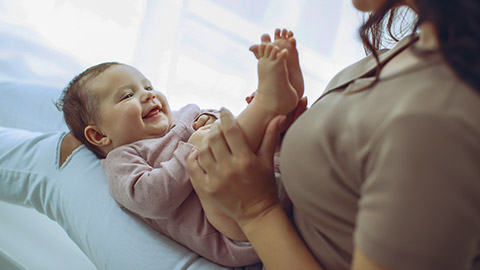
[{"x": 152, "y": 112}]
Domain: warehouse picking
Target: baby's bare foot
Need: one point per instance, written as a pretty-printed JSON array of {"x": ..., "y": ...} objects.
[
  {"x": 284, "y": 40},
  {"x": 274, "y": 88}
]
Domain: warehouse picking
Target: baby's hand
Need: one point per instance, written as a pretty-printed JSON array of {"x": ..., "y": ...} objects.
[
  {"x": 203, "y": 120},
  {"x": 199, "y": 136}
]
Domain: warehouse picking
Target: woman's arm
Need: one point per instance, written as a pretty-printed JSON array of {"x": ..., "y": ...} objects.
[
  {"x": 277, "y": 243},
  {"x": 242, "y": 185}
]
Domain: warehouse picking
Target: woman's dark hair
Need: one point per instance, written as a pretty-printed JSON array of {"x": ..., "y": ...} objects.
[
  {"x": 80, "y": 106},
  {"x": 457, "y": 24}
]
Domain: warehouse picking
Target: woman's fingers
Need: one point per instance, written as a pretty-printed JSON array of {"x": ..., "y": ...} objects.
[
  {"x": 216, "y": 145},
  {"x": 233, "y": 134},
  {"x": 225, "y": 141},
  {"x": 270, "y": 139},
  {"x": 301, "y": 107},
  {"x": 194, "y": 168},
  {"x": 226, "y": 173},
  {"x": 206, "y": 157},
  {"x": 292, "y": 116}
]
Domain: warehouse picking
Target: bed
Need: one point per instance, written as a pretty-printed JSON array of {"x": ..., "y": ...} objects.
[{"x": 62, "y": 217}]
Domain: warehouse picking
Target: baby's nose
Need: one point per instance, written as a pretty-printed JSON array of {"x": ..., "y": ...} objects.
[{"x": 148, "y": 95}]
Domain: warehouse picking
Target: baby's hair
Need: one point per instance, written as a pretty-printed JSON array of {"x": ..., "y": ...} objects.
[{"x": 80, "y": 106}]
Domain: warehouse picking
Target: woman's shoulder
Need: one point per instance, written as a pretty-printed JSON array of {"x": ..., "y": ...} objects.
[
  {"x": 463, "y": 100},
  {"x": 367, "y": 64},
  {"x": 435, "y": 89}
]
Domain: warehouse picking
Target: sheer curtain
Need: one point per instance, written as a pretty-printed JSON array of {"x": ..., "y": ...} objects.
[{"x": 195, "y": 51}]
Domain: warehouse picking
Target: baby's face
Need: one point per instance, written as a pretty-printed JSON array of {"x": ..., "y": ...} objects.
[{"x": 130, "y": 109}]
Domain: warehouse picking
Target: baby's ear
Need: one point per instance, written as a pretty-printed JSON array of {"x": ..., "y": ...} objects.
[{"x": 95, "y": 136}]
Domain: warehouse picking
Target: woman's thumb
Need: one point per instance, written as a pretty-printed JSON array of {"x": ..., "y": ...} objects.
[{"x": 271, "y": 136}]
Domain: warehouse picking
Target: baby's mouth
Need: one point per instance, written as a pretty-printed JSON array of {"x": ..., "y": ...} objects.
[{"x": 152, "y": 112}]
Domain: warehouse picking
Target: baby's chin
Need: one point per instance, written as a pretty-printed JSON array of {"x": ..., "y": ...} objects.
[
  {"x": 165, "y": 131},
  {"x": 160, "y": 132}
]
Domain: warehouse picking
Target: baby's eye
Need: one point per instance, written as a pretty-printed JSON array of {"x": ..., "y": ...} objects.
[
  {"x": 128, "y": 95},
  {"x": 148, "y": 88}
]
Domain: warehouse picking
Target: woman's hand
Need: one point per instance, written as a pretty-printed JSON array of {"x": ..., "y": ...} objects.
[
  {"x": 241, "y": 184},
  {"x": 291, "y": 117},
  {"x": 228, "y": 174}
]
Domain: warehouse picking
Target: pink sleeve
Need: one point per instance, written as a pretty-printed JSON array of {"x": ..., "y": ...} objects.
[{"x": 147, "y": 191}]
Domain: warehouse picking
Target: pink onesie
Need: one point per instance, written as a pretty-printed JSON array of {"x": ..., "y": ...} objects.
[{"x": 150, "y": 179}]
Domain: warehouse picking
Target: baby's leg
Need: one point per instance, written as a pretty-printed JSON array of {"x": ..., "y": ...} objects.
[{"x": 275, "y": 92}]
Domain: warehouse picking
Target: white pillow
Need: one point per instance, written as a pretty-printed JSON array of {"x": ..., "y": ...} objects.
[{"x": 75, "y": 195}]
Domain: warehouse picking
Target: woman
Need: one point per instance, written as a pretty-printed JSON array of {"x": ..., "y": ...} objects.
[{"x": 383, "y": 170}]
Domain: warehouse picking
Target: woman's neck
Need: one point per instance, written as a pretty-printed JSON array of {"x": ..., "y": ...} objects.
[
  {"x": 407, "y": 58},
  {"x": 428, "y": 37}
]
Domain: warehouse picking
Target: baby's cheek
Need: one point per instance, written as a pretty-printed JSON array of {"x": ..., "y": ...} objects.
[{"x": 132, "y": 110}]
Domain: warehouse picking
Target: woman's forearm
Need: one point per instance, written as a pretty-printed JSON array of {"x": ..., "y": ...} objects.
[{"x": 277, "y": 243}]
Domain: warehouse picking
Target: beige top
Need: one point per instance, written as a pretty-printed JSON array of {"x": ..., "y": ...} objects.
[{"x": 393, "y": 170}]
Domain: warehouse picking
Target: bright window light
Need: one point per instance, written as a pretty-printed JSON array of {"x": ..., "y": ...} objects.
[{"x": 195, "y": 51}]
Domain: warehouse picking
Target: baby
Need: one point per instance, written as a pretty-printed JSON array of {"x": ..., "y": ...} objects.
[{"x": 114, "y": 110}]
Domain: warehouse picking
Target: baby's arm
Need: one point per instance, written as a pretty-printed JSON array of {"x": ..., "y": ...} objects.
[{"x": 153, "y": 188}]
